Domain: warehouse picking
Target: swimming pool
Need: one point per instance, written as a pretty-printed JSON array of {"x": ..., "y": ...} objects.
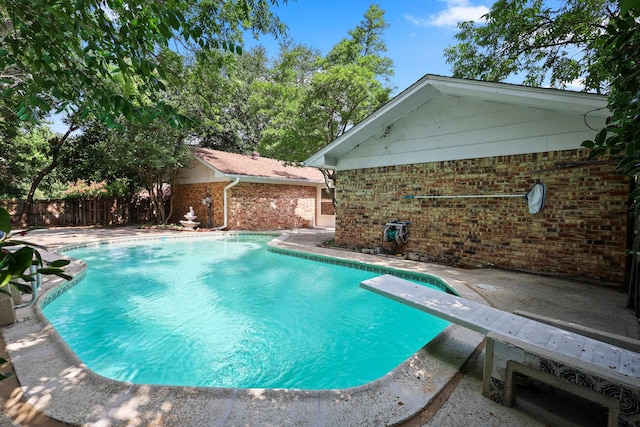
[{"x": 229, "y": 313}]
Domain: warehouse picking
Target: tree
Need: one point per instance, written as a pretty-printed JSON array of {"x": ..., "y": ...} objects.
[
  {"x": 10, "y": 128},
  {"x": 102, "y": 61},
  {"x": 218, "y": 100},
  {"x": 280, "y": 99},
  {"x": 150, "y": 154},
  {"x": 366, "y": 46},
  {"x": 84, "y": 157},
  {"x": 67, "y": 55},
  {"x": 134, "y": 155},
  {"x": 536, "y": 42},
  {"x": 25, "y": 154},
  {"x": 621, "y": 137},
  {"x": 312, "y": 100}
]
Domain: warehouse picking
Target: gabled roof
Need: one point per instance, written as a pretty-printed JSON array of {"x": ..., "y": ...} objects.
[
  {"x": 431, "y": 87},
  {"x": 255, "y": 167}
]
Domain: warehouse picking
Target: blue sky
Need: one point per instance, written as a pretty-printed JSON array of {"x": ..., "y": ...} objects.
[{"x": 418, "y": 32}]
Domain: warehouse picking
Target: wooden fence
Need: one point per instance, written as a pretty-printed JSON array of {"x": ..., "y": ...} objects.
[{"x": 96, "y": 211}]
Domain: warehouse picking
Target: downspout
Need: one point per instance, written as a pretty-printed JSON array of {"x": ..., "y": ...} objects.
[{"x": 226, "y": 216}]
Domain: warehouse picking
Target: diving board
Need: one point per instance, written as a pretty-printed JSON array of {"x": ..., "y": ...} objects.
[{"x": 602, "y": 372}]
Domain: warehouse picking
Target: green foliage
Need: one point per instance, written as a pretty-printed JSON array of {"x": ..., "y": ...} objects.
[
  {"x": 22, "y": 156},
  {"x": 366, "y": 46},
  {"x": 280, "y": 100},
  {"x": 5, "y": 375},
  {"x": 107, "y": 62},
  {"x": 621, "y": 48},
  {"x": 81, "y": 56},
  {"x": 149, "y": 155},
  {"x": 310, "y": 101},
  {"x": 538, "y": 41},
  {"x": 627, "y": 5},
  {"x": 217, "y": 99},
  {"x": 17, "y": 258},
  {"x": 20, "y": 264},
  {"x": 84, "y": 190},
  {"x": 84, "y": 157},
  {"x": 29, "y": 152}
]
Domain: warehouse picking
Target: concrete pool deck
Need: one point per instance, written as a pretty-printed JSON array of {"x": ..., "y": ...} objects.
[{"x": 455, "y": 396}]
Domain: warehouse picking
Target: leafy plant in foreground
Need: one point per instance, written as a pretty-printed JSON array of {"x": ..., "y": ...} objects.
[{"x": 16, "y": 261}]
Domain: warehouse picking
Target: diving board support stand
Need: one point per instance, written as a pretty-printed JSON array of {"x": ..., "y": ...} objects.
[
  {"x": 594, "y": 370},
  {"x": 506, "y": 358}
]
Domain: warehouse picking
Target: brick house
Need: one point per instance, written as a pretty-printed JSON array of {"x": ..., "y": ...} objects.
[
  {"x": 458, "y": 138},
  {"x": 250, "y": 193}
]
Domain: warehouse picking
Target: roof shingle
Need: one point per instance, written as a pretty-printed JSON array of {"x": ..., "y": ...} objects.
[{"x": 255, "y": 166}]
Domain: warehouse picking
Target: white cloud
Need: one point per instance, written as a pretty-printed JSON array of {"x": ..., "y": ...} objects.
[
  {"x": 456, "y": 11},
  {"x": 577, "y": 85}
]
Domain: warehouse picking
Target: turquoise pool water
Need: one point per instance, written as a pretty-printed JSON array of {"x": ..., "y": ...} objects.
[{"x": 229, "y": 313}]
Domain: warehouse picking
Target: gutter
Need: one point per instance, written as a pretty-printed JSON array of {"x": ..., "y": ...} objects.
[{"x": 226, "y": 215}]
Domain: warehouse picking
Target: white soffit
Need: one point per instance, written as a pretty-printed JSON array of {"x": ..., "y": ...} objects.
[{"x": 198, "y": 171}]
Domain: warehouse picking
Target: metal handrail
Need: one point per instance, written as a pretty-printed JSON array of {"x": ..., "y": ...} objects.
[{"x": 35, "y": 286}]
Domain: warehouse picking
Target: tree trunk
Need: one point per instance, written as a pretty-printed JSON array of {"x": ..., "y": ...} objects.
[
  {"x": 56, "y": 146},
  {"x": 153, "y": 207},
  {"x": 330, "y": 177},
  {"x": 633, "y": 276},
  {"x": 172, "y": 194},
  {"x": 156, "y": 199},
  {"x": 159, "y": 200},
  {"x": 633, "y": 284}
]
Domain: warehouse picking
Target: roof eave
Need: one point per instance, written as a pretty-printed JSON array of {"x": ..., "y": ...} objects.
[
  {"x": 274, "y": 180},
  {"x": 430, "y": 86}
]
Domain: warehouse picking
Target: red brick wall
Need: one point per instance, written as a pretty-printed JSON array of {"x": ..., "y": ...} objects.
[
  {"x": 581, "y": 232},
  {"x": 252, "y": 206},
  {"x": 192, "y": 195}
]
